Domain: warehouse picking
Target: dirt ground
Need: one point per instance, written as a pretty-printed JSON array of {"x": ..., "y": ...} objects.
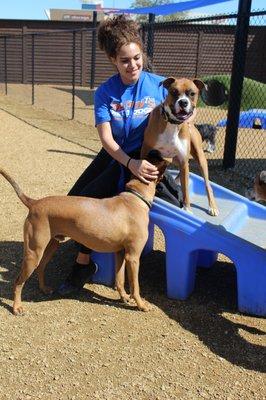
[{"x": 92, "y": 346}]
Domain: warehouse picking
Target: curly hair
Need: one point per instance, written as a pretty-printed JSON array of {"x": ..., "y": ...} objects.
[{"x": 113, "y": 33}]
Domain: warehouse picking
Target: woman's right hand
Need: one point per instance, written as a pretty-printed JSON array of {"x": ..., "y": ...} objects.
[{"x": 143, "y": 170}]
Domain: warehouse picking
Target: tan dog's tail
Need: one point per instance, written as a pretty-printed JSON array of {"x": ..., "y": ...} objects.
[{"x": 27, "y": 201}]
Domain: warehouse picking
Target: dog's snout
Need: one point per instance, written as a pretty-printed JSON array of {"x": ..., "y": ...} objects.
[{"x": 183, "y": 103}]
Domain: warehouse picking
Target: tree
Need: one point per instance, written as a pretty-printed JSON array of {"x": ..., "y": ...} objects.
[{"x": 152, "y": 3}]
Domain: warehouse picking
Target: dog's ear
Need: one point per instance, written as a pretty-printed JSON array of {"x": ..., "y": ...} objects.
[
  {"x": 200, "y": 84},
  {"x": 167, "y": 82},
  {"x": 262, "y": 178},
  {"x": 155, "y": 155}
]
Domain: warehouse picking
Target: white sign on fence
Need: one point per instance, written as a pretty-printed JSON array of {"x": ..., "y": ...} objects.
[{"x": 94, "y": 2}]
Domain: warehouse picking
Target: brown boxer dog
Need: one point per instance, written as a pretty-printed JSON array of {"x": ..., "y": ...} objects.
[
  {"x": 171, "y": 131},
  {"x": 118, "y": 224}
]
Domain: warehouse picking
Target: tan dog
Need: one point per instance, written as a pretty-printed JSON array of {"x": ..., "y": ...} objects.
[
  {"x": 170, "y": 131},
  {"x": 118, "y": 224},
  {"x": 258, "y": 192}
]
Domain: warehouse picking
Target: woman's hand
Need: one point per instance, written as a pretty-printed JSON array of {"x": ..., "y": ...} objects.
[{"x": 143, "y": 170}]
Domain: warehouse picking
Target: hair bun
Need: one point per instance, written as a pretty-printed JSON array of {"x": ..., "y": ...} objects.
[{"x": 115, "y": 32}]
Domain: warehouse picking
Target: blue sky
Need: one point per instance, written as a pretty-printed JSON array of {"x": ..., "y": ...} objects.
[{"x": 34, "y": 9}]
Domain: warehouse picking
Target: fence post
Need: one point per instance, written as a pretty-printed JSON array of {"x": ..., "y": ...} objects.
[
  {"x": 73, "y": 73},
  {"x": 150, "y": 39},
  {"x": 32, "y": 69},
  {"x": 83, "y": 58},
  {"x": 5, "y": 52},
  {"x": 143, "y": 34},
  {"x": 93, "y": 49},
  {"x": 24, "y": 55},
  {"x": 236, "y": 86},
  {"x": 199, "y": 53}
]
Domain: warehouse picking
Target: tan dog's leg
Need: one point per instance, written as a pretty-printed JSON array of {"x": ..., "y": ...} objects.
[
  {"x": 27, "y": 268},
  {"x": 120, "y": 276},
  {"x": 48, "y": 253},
  {"x": 33, "y": 251},
  {"x": 29, "y": 264},
  {"x": 199, "y": 156},
  {"x": 132, "y": 266},
  {"x": 184, "y": 180}
]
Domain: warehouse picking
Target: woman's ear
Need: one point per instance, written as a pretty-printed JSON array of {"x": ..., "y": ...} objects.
[{"x": 112, "y": 60}]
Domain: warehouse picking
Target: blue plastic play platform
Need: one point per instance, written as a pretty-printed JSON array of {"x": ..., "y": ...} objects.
[
  {"x": 249, "y": 118},
  {"x": 192, "y": 240}
]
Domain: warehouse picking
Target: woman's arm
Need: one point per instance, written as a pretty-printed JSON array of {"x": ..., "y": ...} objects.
[{"x": 140, "y": 168}]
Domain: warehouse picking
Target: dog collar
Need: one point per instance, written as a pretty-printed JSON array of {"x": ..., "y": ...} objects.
[
  {"x": 148, "y": 203},
  {"x": 167, "y": 117}
]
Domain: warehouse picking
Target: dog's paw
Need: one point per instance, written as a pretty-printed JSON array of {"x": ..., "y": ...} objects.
[
  {"x": 187, "y": 209},
  {"x": 125, "y": 298},
  {"x": 18, "y": 309},
  {"x": 145, "y": 306},
  {"x": 213, "y": 211}
]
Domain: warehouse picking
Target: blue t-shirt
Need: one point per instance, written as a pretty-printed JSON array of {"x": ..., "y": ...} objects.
[{"x": 127, "y": 107}]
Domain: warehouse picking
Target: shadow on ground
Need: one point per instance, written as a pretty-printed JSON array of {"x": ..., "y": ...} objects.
[
  {"x": 86, "y": 155},
  {"x": 85, "y": 95},
  {"x": 201, "y": 314}
]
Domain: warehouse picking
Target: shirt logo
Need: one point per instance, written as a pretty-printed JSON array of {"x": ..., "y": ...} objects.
[{"x": 141, "y": 108}]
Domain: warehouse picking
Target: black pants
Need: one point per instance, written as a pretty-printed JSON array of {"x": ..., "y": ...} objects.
[{"x": 99, "y": 180}]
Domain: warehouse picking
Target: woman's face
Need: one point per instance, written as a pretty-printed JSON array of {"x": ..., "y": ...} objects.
[{"x": 129, "y": 62}]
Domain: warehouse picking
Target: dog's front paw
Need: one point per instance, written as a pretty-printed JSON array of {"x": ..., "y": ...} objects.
[
  {"x": 187, "y": 209},
  {"x": 144, "y": 306},
  {"x": 213, "y": 211},
  {"x": 127, "y": 299}
]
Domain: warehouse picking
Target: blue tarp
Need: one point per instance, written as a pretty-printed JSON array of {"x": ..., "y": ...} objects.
[{"x": 169, "y": 8}]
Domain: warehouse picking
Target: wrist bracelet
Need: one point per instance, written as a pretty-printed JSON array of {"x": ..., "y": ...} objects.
[{"x": 128, "y": 161}]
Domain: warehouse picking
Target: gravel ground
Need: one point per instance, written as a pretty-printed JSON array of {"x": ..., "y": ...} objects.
[{"x": 92, "y": 346}]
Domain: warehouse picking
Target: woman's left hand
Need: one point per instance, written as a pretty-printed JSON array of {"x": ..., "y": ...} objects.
[{"x": 144, "y": 170}]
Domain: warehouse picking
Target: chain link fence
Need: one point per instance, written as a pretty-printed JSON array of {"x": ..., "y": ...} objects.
[{"x": 57, "y": 70}]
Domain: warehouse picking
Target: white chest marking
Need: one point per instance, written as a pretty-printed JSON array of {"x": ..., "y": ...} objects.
[{"x": 170, "y": 145}]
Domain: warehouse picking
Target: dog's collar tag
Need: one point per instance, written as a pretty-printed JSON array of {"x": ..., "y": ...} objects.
[{"x": 149, "y": 204}]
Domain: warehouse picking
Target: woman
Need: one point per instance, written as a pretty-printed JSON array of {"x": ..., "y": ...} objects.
[{"x": 122, "y": 105}]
